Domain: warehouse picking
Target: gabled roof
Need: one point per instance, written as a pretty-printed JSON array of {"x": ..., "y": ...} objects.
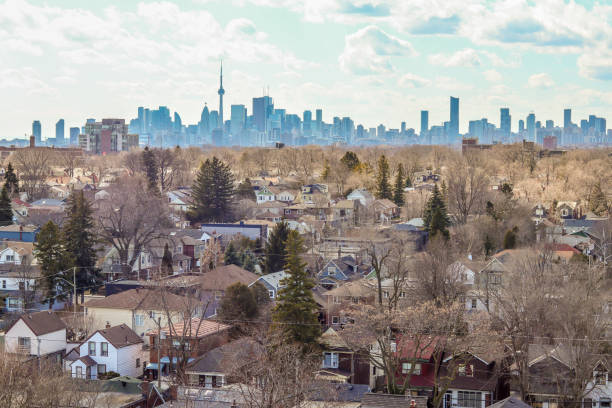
[
  {"x": 221, "y": 359},
  {"x": 357, "y": 288},
  {"x": 223, "y": 276},
  {"x": 139, "y": 299},
  {"x": 88, "y": 361},
  {"x": 510, "y": 402},
  {"x": 195, "y": 328},
  {"x": 119, "y": 336},
  {"x": 42, "y": 322},
  {"x": 274, "y": 279},
  {"x": 332, "y": 340}
]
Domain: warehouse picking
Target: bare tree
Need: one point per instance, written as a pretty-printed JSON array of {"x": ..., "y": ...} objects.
[
  {"x": 130, "y": 218},
  {"x": 33, "y": 167},
  {"x": 467, "y": 185},
  {"x": 165, "y": 159}
]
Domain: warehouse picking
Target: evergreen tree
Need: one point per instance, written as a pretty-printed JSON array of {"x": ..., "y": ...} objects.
[
  {"x": 149, "y": 165},
  {"x": 489, "y": 246},
  {"x": 166, "y": 262},
  {"x": 435, "y": 216},
  {"x": 296, "y": 309},
  {"x": 510, "y": 238},
  {"x": 238, "y": 303},
  {"x": 6, "y": 210},
  {"x": 52, "y": 259},
  {"x": 383, "y": 188},
  {"x": 245, "y": 190},
  {"x": 444, "y": 191},
  {"x": 408, "y": 181},
  {"x": 350, "y": 160},
  {"x": 11, "y": 180},
  {"x": 598, "y": 202},
  {"x": 326, "y": 171},
  {"x": 275, "y": 251},
  {"x": 212, "y": 192},
  {"x": 398, "y": 191},
  {"x": 231, "y": 255},
  {"x": 80, "y": 239}
]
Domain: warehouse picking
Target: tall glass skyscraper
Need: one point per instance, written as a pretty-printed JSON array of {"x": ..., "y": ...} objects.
[
  {"x": 531, "y": 127},
  {"x": 567, "y": 118},
  {"x": 505, "y": 121},
  {"x": 37, "y": 131},
  {"x": 424, "y": 122},
  {"x": 454, "y": 118},
  {"x": 59, "y": 132}
]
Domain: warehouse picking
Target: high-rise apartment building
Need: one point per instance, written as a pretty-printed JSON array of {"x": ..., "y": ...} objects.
[
  {"x": 567, "y": 118},
  {"x": 505, "y": 121},
  {"x": 424, "y": 122},
  {"x": 74, "y": 135},
  {"x": 531, "y": 127},
  {"x": 454, "y": 118},
  {"x": 307, "y": 123},
  {"x": 59, "y": 132},
  {"x": 262, "y": 108},
  {"x": 37, "y": 131},
  {"x": 319, "y": 120},
  {"x": 238, "y": 119},
  {"x": 110, "y": 135}
]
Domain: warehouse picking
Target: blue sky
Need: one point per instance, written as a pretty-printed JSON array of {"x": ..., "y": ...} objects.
[{"x": 378, "y": 61}]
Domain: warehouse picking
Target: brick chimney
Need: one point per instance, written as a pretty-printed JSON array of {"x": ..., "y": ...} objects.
[
  {"x": 108, "y": 325},
  {"x": 21, "y": 232}
]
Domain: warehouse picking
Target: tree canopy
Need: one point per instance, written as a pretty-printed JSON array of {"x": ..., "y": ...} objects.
[
  {"x": 212, "y": 193},
  {"x": 435, "y": 216},
  {"x": 383, "y": 187}
]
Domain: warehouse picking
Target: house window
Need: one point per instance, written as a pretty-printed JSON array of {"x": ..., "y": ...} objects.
[
  {"x": 139, "y": 320},
  {"x": 137, "y": 362},
  {"x": 406, "y": 367},
  {"x": 3, "y": 284},
  {"x": 79, "y": 372},
  {"x": 101, "y": 369},
  {"x": 92, "y": 348},
  {"x": 330, "y": 270},
  {"x": 13, "y": 303},
  {"x": 330, "y": 360},
  {"x": 402, "y": 295},
  {"x": 469, "y": 399},
  {"x": 601, "y": 377},
  {"x": 386, "y": 294},
  {"x": 466, "y": 370},
  {"x": 104, "y": 349},
  {"x": 335, "y": 319},
  {"x": 373, "y": 370},
  {"x": 10, "y": 258},
  {"x": 271, "y": 293},
  {"x": 474, "y": 303},
  {"x": 23, "y": 343},
  {"x": 604, "y": 403}
]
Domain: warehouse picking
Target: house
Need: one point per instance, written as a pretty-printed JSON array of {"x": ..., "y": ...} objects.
[
  {"x": 275, "y": 207},
  {"x": 213, "y": 369},
  {"x": 562, "y": 252},
  {"x": 179, "y": 200},
  {"x": 15, "y": 252},
  {"x": 340, "y": 364},
  {"x": 282, "y": 194},
  {"x": 364, "y": 197},
  {"x": 272, "y": 282},
  {"x": 312, "y": 193},
  {"x": 376, "y": 400},
  {"x": 341, "y": 269},
  {"x": 138, "y": 309},
  {"x": 263, "y": 194},
  {"x": 216, "y": 281},
  {"x": 18, "y": 284},
  {"x": 118, "y": 349},
  {"x": 474, "y": 383},
  {"x": 111, "y": 266},
  {"x": 568, "y": 210},
  {"x": 344, "y": 211},
  {"x": 186, "y": 339},
  {"x": 230, "y": 231},
  {"x": 385, "y": 210},
  {"x": 340, "y": 298},
  {"x": 37, "y": 334},
  {"x": 21, "y": 233}
]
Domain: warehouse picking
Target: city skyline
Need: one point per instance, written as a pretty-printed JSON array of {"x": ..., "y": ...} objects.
[{"x": 365, "y": 65}]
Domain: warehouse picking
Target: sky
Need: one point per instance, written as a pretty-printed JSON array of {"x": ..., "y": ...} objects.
[{"x": 378, "y": 61}]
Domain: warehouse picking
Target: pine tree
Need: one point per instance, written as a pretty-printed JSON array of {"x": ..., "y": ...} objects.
[
  {"x": 238, "y": 303},
  {"x": 231, "y": 255},
  {"x": 435, "y": 216},
  {"x": 245, "y": 190},
  {"x": 166, "y": 262},
  {"x": 212, "y": 192},
  {"x": 52, "y": 259},
  {"x": 383, "y": 188},
  {"x": 408, "y": 181},
  {"x": 598, "y": 202},
  {"x": 398, "y": 191},
  {"x": 80, "y": 239},
  {"x": 6, "y": 210},
  {"x": 11, "y": 180},
  {"x": 350, "y": 160},
  {"x": 296, "y": 310},
  {"x": 275, "y": 251},
  {"x": 489, "y": 246},
  {"x": 149, "y": 165},
  {"x": 510, "y": 238}
]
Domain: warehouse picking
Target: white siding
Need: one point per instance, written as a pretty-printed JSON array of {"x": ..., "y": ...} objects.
[
  {"x": 19, "y": 329},
  {"x": 45, "y": 344},
  {"x": 54, "y": 341},
  {"x": 110, "y": 360},
  {"x": 126, "y": 360}
]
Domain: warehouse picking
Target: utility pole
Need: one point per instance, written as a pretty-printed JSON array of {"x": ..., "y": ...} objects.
[
  {"x": 158, "y": 353},
  {"x": 74, "y": 290}
]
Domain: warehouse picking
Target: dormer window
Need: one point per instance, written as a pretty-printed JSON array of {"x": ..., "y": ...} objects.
[
  {"x": 466, "y": 370},
  {"x": 600, "y": 377}
]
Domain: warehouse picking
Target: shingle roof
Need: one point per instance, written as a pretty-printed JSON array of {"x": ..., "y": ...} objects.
[
  {"x": 139, "y": 299},
  {"x": 510, "y": 402},
  {"x": 42, "y": 322},
  {"x": 119, "y": 336},
  {"x": 88, "y": 361},
  {"x": 195, "y": 328},
  {"x": 274, "y": 279},
  {"x": 223, "y": 276},
  {"x": 371, "y": 400},
  {"x": 221, "y": 359}
]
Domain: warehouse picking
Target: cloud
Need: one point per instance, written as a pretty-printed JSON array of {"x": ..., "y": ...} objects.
[
  {"x": 463, "y": 58},
  {"x": 25, "y": 79},
  {"x": 492, "y": 75},
  {"x": 367, "y": 9},
  {"x": 596, "y": 65},
  {"x": 540, "y": 81},
  {"x": 369, "y": 51},
  {"x": 413, "y": 81},
  {"x": 437, "y": 25}
]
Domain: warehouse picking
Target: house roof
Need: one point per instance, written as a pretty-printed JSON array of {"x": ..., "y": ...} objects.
[
  {"x": 345, "y": 204},
  {"x": 221, "y": 359},
  {"x": 194, "y": 328},
  {"x": 274, "y": 279},
  {"x": 558, "y": 247},
  {"x": 139, "y": 299},
  {"x": 223, "y": 276},
  {"x": 119, "y": 336},
  {"x": 17, "y": 228},
  {"x": 385, "y": 204},
  {"x": 408, "y": 348},
  {"x": 332, "y": 340},
  {"x": 42, "y": 322},
  {"x": 355, "y": 289},
  {"x": 88, "y": 361},
  {"x": 510, "y": 402},
  {"x": 371, "y": 400}
]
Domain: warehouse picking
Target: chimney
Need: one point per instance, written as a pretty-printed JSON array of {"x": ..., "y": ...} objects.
[
  {"x": 32, "y": 141},
  {"x": 108, "y": 325},
  {"x": 21, "y": 232}
]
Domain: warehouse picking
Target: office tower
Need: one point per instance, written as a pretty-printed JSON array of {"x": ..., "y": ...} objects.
[
  {"x": 262, "y": 108},
  {"x": 213, "y": 119},
  {"x": 319, "y": 119},
  {"x": 454, "y": 118},
  {"x": 600, "y": 125},
  {"x": 347, "y": 129},
  {"x": 505, "y": 121},
  {"x": 238, "y": 119},
  {"x": 37, "y": 131},
  {"x": 221, "y": 92},
  {"x": 403, "y": 128},
  {"x": 59, "y": 132},
  {"x": 360, "y": 132},
  {"x": 381, "y": 131},
  {"x": 521, "y": 125},
  {"x": 424, "y": 122},
  {"x": 74, "y": 135},
  {"x": 337, "y": 126},
  {"x": 550, "y": 124},
  {"x": 141, "y": 119},
  {"x": 567, "y": 118},
  {"x": 204, "y": 125},
  {"x": 178, "y": 123},
  {"x": 307, "y": 123},
  {"x": 592, "y": 119},
  {"x": 538, "y": 124},
  {"x": 584, "y": 126},
  {"x": 531, "y": 127}
]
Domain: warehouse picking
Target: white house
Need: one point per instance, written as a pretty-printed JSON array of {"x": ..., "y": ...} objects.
[
  {"x": 272, "y": 282},
  {"x": 178, "y": 200},
  {"x": 363, "y": 196},
  {"x": 117, "y": 349},
  {"x": 36, "y": 334},
  {"x": 263, "y": 194},
  {"x": 17, "y": 252}
]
